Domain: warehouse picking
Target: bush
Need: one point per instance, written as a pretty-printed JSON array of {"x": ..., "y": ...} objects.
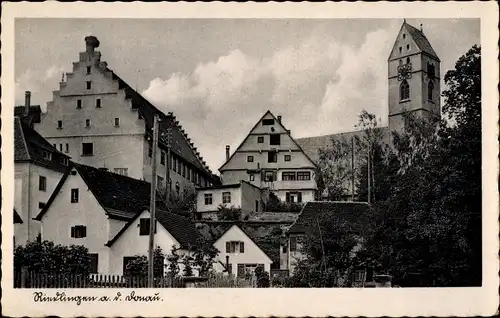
[{"x": 262, "y": 277}]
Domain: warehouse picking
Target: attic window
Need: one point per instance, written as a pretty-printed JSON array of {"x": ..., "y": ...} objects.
[
  {"x": 144, "y": 226},
  {"x": 274, "y": 139},
  {"x": 400, "y": 50},
  {"x": 87, "y": 123},
  {"x": 404, "y": 36},
  {"x": 407, "y": 47},
  {"x": 268, "y": 122}
]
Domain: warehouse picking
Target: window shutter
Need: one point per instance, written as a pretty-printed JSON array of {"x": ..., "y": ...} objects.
[
  {"x": 241, "y": 270},
  {"x": 228, "y": 247},
  {"x": 242, "y": 247},
  {"x": 72, "y": 231}
]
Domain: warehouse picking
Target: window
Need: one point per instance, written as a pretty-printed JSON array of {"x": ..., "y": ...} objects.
[
  {"x": 404, "y": 91},
  {"x": 431, "y": 71},
  {"x": 299, "y": 197},
  {"x": 177, "y": 188},
  {"x": 400, "y": 62},
  {"x": 67, "y": 147},
  {"x": 94, "y": 262},
  {"x": 288, "y": 176},
  {"x": 249, "y": 158},
  {"x": 289, "y": 198},
  {"x": 117, "y": 122},
  {"x": 260, "y": 139},
  {"x": 79, "y": 104},
  {"x": 47, "y": 155},
  {"x": 304, "y": 175},
  {"x": 60, "y": 147},
  {"x": 359, "y": 275},
  {"x": 269, "y": 176},
  {"x": 293, "y": 243},
  {"x": 404, "y": 36},
  {"x": 268, "y": 122},
  {"x": 174, "y": 163},
  {"x": 400, "y": 50},
  {"x": 407, "y": 47},
  {"x": 41, "y": 205},
  {"x": 89, "y": 84},
  {"x": 63, "y": 161},
  {"x": 251, "y": 177},
  {"x": 272, "y": 156},
  {"x": 78, "y": 231},
  {"x": 408, "y": 60},
  {"x": 87, "y": 149},
  {"x": 98, "y": 103},
  {"x": 88, "y": 69},
  {"x": 162, "y": 158},
  {"x": 159, "y": 181},
  {"x": 126, "y": 261},
  {"x": 74, "y": 195},
  {"x": 42, "y": 183},
  {"x": 184, "y": 170},
  {"x": 150, "y": 149},
  {"x": 122, "y": 171},
  {"x": 144, "y": 226},
  {"x": 87, "y": 123},
  {"x": 226, "y": 197},
  {"x": 235, "y": 247},
  {"x": 59, "y": 124},
  {"x": 288, "y": 157},
  {"x": 257, "y": 205},
  {"x": 208, "y": 198},
  {"x": 430, "y": 90},
  {"x": 179, "y": 166},
  {"x": 274, "y": 139}
]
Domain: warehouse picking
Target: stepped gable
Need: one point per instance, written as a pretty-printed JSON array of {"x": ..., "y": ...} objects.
[
  {"x": 181, "y": 143},
  {"x": 354, "y": 213},
  {"x": 29, "y": 146}
]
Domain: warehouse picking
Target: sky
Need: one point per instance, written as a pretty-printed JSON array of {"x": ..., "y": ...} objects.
[{"x": 219, "y": 76}]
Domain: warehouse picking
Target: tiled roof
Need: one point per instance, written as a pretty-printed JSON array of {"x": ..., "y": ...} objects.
[
  {"x": 29, "y": 146},
  {"x": 354, "y": 213},
  {"x": 181, "y": 143},
  {"x": 17, "y": 218},
  {"x": 311, "y": 145},
  {"x": 181, "y": 228},
  {"x": 35, "y": 112},
  {"x": 421, "y": 40}
]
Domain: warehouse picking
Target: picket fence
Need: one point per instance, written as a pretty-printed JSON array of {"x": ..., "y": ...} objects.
[{"x": 47, "y": 280}]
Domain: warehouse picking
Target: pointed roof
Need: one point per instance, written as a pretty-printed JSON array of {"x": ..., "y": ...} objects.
[
  {"x": 181, "y": 228},
  {"x": 419, "y": 38},
  {"x": 255, "y": 126},
  {"x": 17, "y": 218},
  {"x": 120, "y": 196},
  {"x": 29, "y": 146}
]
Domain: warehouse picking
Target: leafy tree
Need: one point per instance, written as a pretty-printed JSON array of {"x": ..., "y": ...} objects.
[
  {"x": 173, "y": 262},
  {"x": 274, "y": 204},
  {"x": 271, "y": 243},
  {"x": 262, "y": 277},
  {"x": 138, "y": 267},
  {"x": 228, "y": 213},
  {"x": 204, "y": 256},
  {"x": 431, "y": 222},
  {"x": 183, "y": 203}
]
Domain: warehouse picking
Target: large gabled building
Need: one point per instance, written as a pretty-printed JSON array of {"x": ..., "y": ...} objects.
[
  {"x": 270, "y": 158},
  {"x": 99, "y": 120}
]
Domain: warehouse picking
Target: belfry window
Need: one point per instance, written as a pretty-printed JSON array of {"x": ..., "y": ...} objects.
[
  {"x": 430, "y": 90},
  {"x": 404, "y": 91}
]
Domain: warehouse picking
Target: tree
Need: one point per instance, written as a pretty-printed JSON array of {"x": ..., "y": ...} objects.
[
  {"x": 228, "y": 213},
  {"x": 262, "y": 277},
  {"x": 182, "y": 203},
  {"x": 204, "y": 256},
  {"x": 138, "y": 267},
  {"x": 431, "y": 223},
  {"x": 173, "y": 262},
  {"x": 188, "y": 269}
]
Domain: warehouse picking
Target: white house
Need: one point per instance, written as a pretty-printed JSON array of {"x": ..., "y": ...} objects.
[
  {"x": 243, "y": 195},
  {"x": 270, "y": 158},
  {"x": 38, "y": 169},
  {"x": 240, "y": 253},
  {"x": 133, "y": 238},
  {"x": 89, "y": 207}
]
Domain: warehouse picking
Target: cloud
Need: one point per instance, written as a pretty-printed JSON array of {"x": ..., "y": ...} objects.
[
  {"x": 40, "y": 83},
  {"x": 319, "y": 86}
]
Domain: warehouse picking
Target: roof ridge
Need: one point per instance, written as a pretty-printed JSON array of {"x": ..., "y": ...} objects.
[{"x": 110, "y": 172}]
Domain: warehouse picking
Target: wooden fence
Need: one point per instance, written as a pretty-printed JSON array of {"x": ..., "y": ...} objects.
[{"x": 46, "y": 280}]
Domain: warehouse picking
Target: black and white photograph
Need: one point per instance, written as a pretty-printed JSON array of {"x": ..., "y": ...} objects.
[{"x": 286, "y": 154}]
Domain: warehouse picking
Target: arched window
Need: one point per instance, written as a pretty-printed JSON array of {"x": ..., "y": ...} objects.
[
  {"x": 408, "y": 60},
  {"x": 404, "y": 91},
  {"x": 177, "y": 188},
  {"x": 400, "y": 62},
  {"x": 430, "y": 90}
]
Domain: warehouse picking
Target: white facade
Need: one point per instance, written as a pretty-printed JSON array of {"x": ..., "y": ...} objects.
[
  {"x": 251, "y": 256},
  {"x": 270, "y": 158}
]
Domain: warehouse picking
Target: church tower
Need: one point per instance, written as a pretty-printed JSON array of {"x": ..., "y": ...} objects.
[{"x": 414, "y": 78}]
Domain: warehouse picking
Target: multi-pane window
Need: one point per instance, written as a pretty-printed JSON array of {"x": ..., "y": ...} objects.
[
  {"x": 226, "y": 197},
  {"x": 42, "y": 183},
  {"x": 288, "y": 157},
  {"x": 235, "y": 247},
  {"x": 260, "y": 139},
  {"x": 87, "y": 149},
  {"x": 78, "y": 231},
  {"x": 304, "y": 175},
  {"x": 274, "y": 139},
  {"x": 98, "y": 103},
  {"x": 272, "y": 156},
  {"x": 269, "y": 176},
  {"x": 249, "y": 158},
  {"x": 208, "y": 198},
  {"x": 47, "y": 155},
  {"x": 74, "y": 195},
  {"x": 288, "y": 176},
  {"x": 63, "y": 161}
]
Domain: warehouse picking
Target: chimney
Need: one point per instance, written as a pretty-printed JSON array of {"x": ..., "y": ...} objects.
[
  {"x": 27, "y": 103},
  {"x": 91, "y": 42},
  {"x": 227, "y": 152},
  {"x": 279, "y": 119}
]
